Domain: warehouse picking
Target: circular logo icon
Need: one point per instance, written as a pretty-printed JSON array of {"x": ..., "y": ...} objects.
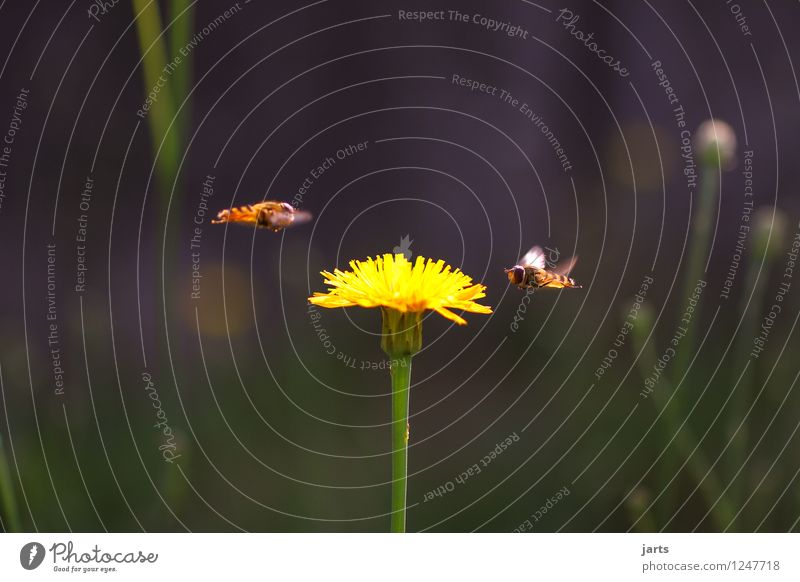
[{"x": 31, "y": 555}]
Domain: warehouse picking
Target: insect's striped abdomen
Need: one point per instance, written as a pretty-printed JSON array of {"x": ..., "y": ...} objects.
[{"x": 543, "y": 278}]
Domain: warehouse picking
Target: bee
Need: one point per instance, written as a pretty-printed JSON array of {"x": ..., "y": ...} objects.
[
  {"x": 532, "y": 272},
  {"x": 269, "y": 214}
]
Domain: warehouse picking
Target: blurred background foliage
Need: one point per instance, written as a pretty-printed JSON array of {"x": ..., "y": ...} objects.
[{"x": 273, "y": 432}]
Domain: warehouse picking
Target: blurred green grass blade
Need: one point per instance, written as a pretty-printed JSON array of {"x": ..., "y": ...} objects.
[
  {"x": 181, "y": 15},
  {"x": 175, "y": 485},
  {"x": 684, "y": 446},
  {"x": 162, "y": 113},
  {"x": 714, "y": 149},
  {"x": 768, "y": 232},
  {"x": 7, "y": 497},
  {"x": 699, "y": 243},
  {"x": 642, "y": 327}
]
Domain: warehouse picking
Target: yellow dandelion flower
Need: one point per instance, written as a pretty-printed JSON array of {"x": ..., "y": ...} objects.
[
  {"x": 403, "y": 291},
  {"x": 393, "y": 282}
]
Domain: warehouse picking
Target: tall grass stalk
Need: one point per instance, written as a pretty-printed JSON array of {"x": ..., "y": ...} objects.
[
  {"x": 181, "y": 15},
  {"x": 7, "y": 497},
  {"x": 768, "y": 231},
  {"x": 162, "y": 112},
  {"x": 168, "y": 136},
  {"x": 173, "y": 482},
  {"x": 714, "y": 149},
  {"x": 700, "y": 239},
  {"x": 677, "y": 430}
]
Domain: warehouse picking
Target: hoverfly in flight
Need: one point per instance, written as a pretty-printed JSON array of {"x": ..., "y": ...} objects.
[
  {"x": 532, "y": 272},
  {"x": 269, "y": 214}
]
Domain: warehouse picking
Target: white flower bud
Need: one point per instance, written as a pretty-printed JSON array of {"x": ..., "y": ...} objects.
[
  {"x": 715, "y": 143},
  {"x": 769, "y": 231}
]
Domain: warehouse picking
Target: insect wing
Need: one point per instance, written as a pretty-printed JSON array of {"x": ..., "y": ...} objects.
[
  {"x": 566, "y": 267},
  {"x": 533, "y": 258},
  {"x": 301, "y": 217},
  {"x": 286, "y": 216}
]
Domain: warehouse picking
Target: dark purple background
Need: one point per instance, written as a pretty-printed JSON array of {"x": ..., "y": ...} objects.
[{"x": 346, "y": 74}]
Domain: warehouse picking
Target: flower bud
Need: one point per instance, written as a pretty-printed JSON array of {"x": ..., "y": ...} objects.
[
  {"x": 715, "y": 144},
  {"x": 769, "y": 230}
]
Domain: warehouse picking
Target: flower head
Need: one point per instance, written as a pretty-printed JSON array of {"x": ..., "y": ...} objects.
[
  {"x": 393, "y": 282},
  {"x": 769, "y": 230},
  {"x": 715, "y": 142}
]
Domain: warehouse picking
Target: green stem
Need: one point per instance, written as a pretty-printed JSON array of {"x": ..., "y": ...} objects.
[
  {"x": 401, "y": 389},
  {"x": 698, "y": 251},
  {"x": 695, "y": 269},
  {"x": 161, "y": 116},
  {"x": 767, "y": 234},
  {"x": 742, "y": 394},
  {"x": 9, "y": 506},
  {"x": 401, "y": 338},
  {"x": 685, "y": 445},
  {"x": 181, "y": 13}
]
